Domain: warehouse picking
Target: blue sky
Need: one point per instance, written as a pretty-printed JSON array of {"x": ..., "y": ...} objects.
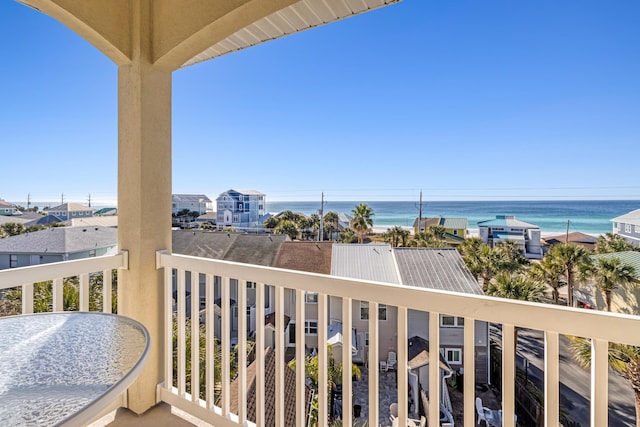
[{"x": 466, "y": 100}]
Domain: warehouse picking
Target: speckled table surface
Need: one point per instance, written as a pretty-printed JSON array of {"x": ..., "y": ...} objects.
[{"x": 63, "y": 368}]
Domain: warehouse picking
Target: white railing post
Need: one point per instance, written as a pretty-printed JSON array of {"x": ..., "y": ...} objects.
[
  {"x": 260, "y": 343},
  {"x": 469, "y": 364},
  {"x": 57, "y": 292},
  {"x": 300, "y": 359},
  {"x": 210, "y": 341},
  {"x": 27, "y": 298},
  {"x": 508, "y": 374},
  {"x": 323, "y": 395},
  {"x": 279, "y": 355},
  {"x": 599, "y": 382},
  {"x": 107, "y": 291},
  {"x": 84, "y": 292},
  {"x": 181, "y": 333},
  {"x": 225, "y": 342},
  {"x": 373, "y": 364},
  {"x": 347, "y": 368},
  {"x": 195, "y": 337},
  {"x": 551, "y": 379},
  {"x": 434, "y": 368},
  {"x": 242, "y": 352}
]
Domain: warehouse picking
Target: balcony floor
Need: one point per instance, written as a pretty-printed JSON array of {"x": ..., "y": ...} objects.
[{"x": 162, "y": 415}]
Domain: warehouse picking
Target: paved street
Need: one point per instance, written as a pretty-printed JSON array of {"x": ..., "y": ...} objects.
[{"x": 575, "y": 381}]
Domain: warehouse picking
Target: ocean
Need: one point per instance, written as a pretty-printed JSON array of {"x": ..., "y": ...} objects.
[{"x": 587, "y": 216}]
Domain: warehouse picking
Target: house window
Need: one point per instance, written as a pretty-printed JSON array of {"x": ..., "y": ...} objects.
[
  {"x": 311, "y": 327},
  {"x": 251, "y": 285},
  {"x": 366, "y": 339},
  {"x": 455, "y": 232},
  {"x": 92, "y": 253},
  {"x": 453, "y": 355},
  {"x": 451, "y": 321},
  {"x": 236, "y": 218},
  {"x": 311, "y": 297},
  {"x": 364, "y": 311},
  {"x": 627, "y": 228},
  {"x": 637, "y": 228},
  {"x": 13, "y": 261}
]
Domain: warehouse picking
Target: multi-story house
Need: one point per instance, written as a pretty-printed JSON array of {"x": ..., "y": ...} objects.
[
  {"x": 507, "y": 227},
  {"x": 240, "y": 209},
  {"x": 57, "y": 244},
  {"x": 628, "y": 226},
  {"x": 7, "y": 208},
  {"x": 192, "y": 202},
  {"x": 455, "y": 228},
  {"x": 67, "y": 211}
]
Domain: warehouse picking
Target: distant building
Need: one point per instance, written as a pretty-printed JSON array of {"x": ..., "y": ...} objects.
[
  {"x": 192, "y": 202},
  {"x": 57, "y": 244},
  {"x": 585, "y": 240},
  {"x": 455, "y": 228},
  {"x": 8, "y": 209},
  {"x": 69, "y": 211},
  {"x": 240, "y": 209},
  {"x": 507, "y": 227},
  {"x": 628, "y": 227}
]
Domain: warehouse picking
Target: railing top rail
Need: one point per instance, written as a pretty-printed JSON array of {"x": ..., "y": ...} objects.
[
  {"x": 37, "y": 273},
  {"x": 613, "y": 327}
]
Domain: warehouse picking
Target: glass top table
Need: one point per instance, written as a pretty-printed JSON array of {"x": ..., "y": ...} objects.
[{"x": 64, "y": 368}]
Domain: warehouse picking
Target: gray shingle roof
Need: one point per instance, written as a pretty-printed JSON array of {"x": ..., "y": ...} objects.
[
  {"x": 60, "y": 240},
  {"x": 432, "y": 268},
  {"x": 632, "y": 217},
  {"x": 259, "y": 249},
  {"x": 366, "y": 262},
  {"x": 305, "y": 256}
]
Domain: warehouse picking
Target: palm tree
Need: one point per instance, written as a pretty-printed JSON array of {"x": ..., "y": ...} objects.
[
  {"x": 427, "y": 240},
  {"x": 611, "y": 273},
  {"x": 330, "y": 223},
  {"x": 287, "y": 227},
  {"x": 572, "y": 257},
  {"x": 520, "y": 287},
  {"x": 623, "y": 358},
  {"x": 396, "y": 235},
  {"x": 362, "y": 220},
  {"x": 549, "y": 271},
  {"x": 613, "y": 243}
]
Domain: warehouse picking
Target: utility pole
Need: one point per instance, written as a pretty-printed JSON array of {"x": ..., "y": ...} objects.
[
  {"x": 420, "y": 214},
  {"x": 566, "y": 240},
  {"x": 89, "y": 199},
  {"x": 62, "y": 199},
  {"x": 321, "y": 231},
  {"x": 28, "y": 202}
]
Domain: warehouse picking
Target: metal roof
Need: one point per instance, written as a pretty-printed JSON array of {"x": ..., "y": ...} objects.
[
  {"x": 454, "y": 223},
  {"x": 505, "y": 221},
  {"x": 60, "y": 240},
  {"x": 373, "y": 262},
  {"x": 300, "y": 16},
  {"x": 632, "y": 217},
  {"x": 69, "y": 207},
  {"x": 631, "y": 258},
  {"x": 435, "y": 268}
]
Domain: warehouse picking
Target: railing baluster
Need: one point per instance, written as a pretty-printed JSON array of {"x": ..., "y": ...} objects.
[
  {"x": 242, "y": 352},
  {"x": 27, "y": 298},
  {"x": 260, "y": 342},
  {"x": 57, "y": 294},
  {"x": 347, "y": 368},
  {"x": 107, "y": 289},
  {"x": 434, "y": 368},
  {"x": 195, "y": 336},
  {"x": 373, "y": 364},
  {"x": 168, "y": 327},
  {"x": 300, "y": 362},
  {"x": 279, "y": 355},
  {"x": 401, "y": 365},
  {"x": 84, "y": 292},
  {"x": 225, "y": 342},
  {"x": 508, "y": 374},
  {"x": 469, "y": 364},
  {"x": 599, "y": 382},
  {"x": 181, "y": 319},
  {"x": 551, "y": 379},
  {"x": 323, "y": 395},
  {"x": 210, "y": 341}
]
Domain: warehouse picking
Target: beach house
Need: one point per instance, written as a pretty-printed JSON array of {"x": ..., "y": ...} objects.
[
  {"x": 7, "y": 208},
  {"x": 455, "y": 229},
  {"x": 628, "y": 226},
  {"x": 240, "y": 209},
  {"x": 508, "y": 228},
  {"x": 67, "y": 211},
  {"x": 199, "y": 203}
]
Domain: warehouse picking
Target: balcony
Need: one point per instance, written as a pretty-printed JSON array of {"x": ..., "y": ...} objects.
[{"x": 185, "y": 369}]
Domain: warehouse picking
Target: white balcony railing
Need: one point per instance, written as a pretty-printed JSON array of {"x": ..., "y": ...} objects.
[
  {"x": 600, "y": 327},
  {"x": 25, "y": 278},
  {"x": 213, "y": 404}
]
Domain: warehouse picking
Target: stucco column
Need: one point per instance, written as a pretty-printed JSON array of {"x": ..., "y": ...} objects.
[{"x": 144, "y": 204}]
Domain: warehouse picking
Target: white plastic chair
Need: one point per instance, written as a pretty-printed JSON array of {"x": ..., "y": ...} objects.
[
  {"x": 392, "y": 362},
  {"x": 484, "y": 414}
]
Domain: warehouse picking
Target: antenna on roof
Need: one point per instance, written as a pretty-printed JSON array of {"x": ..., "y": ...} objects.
[{"x": 89, "y": 199}]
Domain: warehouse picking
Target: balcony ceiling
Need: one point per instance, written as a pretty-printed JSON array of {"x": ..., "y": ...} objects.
[{"x": 298, "y": 17}]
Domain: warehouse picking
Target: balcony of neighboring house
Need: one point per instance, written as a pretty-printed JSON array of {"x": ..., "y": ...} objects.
[{"x": 215, "y": 365}]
